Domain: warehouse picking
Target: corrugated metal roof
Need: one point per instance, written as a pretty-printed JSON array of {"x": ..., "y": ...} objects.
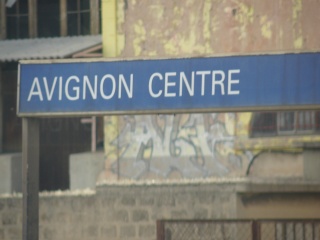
[{"x": 45, "y": 48}]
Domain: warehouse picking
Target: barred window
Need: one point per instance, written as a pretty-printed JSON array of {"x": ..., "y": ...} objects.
[
  {"x": 284, "y": 123},
  {"x": 306, "y": 121}
]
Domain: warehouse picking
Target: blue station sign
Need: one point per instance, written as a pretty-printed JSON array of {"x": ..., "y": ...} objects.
[{"x": 225, "y": 83}]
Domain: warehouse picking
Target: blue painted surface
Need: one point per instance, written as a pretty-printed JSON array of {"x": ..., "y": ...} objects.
[{"x": 276, "y": 81}]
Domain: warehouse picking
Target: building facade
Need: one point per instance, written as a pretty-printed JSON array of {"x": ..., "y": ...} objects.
[{"x": 268, "y": 144}]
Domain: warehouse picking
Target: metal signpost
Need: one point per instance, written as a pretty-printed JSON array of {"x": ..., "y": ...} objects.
[{"x": 188, "y": 85}]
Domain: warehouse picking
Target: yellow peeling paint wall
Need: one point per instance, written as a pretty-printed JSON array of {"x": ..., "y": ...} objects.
[
  {"x": 207, "y": 27},
  {"x": 196, "y": 145}
]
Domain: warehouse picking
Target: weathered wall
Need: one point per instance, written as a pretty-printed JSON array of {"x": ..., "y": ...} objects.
[
  {"x": 192, "y": 27},
  {"x": 276, "y": 164},
  {"x": 198, "y": 145},
  {"x": 279, "y": 205},
  {"x": 168, "y": 146}
]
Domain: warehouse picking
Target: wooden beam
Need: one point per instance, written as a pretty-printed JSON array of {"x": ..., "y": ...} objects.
[
  {"x": 3, "y": 31},
  {"x": 89, "y": 53},
  {"x": 33, "y": 27},
  {"x": 63, "y": 18},
  {"x": 30, "y": 178},
  {"x": 94, "y": 17}
]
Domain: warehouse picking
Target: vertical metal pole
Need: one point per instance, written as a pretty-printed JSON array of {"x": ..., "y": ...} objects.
[
  {"x": 160, "y": 230},
  {"x": 256, "y": 230},
  {"x": 30, "y": 178},
  {"x": 93, "y": 134}
]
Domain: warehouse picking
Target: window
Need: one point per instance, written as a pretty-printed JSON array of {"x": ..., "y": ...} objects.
[
  {"x": 78, "y": 17},
  {"x": 264, "y": 124},
  {"x": 49, "y": 18},
  {"x": 17, "y": 20},
  {"x": 284, "y": 123}
]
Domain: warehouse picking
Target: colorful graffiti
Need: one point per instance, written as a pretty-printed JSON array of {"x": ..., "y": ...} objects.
[{"x": 172, "y": 147}]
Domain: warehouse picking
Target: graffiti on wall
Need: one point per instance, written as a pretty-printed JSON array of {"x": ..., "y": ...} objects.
[{"x": 172, "y": 147}]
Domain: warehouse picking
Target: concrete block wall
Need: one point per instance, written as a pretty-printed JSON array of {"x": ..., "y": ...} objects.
[
  {"x": 84, "y": 169},
  {"x": 130, "y": 210},
  {"x": 117, "y": 211},
  {"x": 135, "y": 210}
]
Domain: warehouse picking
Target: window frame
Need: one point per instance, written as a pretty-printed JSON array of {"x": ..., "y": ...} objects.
[
  {"x": 32, "y": 19},
  {"x": 94, "y": 17}
]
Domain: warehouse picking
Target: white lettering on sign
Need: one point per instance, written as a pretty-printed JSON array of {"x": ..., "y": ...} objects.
[
  {"x": 49, "y": 92},
  {"x": 92, "y": 89},
  {"x": 35, "y": 90},
  {"x": 203, "y": 77},
  {"x": 122, "y": 82},
  {"x": 186, "y": 85},
  {"x": 233, "y": 81},
  {"x": 184, "y": 82},
  {"x": 152, "y": 93},
  {"x": 167, "y": 85},
  {"x": 75, "y": 88},
  {"x": 218, "y": 82},
  {"x": 102, "y": 86}
]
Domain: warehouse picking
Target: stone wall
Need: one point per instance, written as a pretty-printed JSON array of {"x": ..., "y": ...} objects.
[{"x": 130, "y": 210}]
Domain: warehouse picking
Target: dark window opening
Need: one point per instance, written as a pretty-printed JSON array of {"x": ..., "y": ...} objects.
[
  {"x": 48, "y": 18},
  {"x": 17, "y": 20},
  {"x": 60, "y": 137},
  {"x": 264, "y": 124},
  {"x": 12, "y": 125}
]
